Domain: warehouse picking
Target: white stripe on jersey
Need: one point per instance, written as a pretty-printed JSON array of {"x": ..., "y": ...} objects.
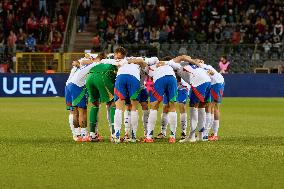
[
  {"x": 134, "y": 69},
  {"x": 124, "y": 67},
  {"x": 79, "y": 78},
  {"x": 196, "y": 74},
  {"x": 130, "y": 69},
  {"x": 217, "y": 77},
  {"x": 151, "y": 61},
  {"x": 158, "y": 72},
  {"x": 173, "y": 64},
  {"x": 72, "y": 72}
]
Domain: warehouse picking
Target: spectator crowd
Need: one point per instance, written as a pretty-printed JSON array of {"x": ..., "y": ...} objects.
[
  {"x": 39, "y": 25},
  {"x": 192, "y": 21},
  {"x": 31, "y": 25}
]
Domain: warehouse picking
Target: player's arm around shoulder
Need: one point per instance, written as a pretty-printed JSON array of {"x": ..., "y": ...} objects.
[
  {"x": 172, "y": 63},
  {"x": 181, "y": 58},
  {"x": 85, "y": 61},
  {"x": 137, "y": 61},
  {"x": 113, "y": 62},
  {"x": 151, "y": 61}
]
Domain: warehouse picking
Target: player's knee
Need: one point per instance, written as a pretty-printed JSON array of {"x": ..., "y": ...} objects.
[
  {"x": 75, "y": 112},
  {"x": 192, "y": 105},
  {"x": 172, "y": 106},
  {"x": 165, "y": 108},
  {"x": 202, "y": 105},
  {"x": 134, "y": 105},
  {"x": 144, "y": 105},
  {"x": 128, "y": 107},
  {"x": 119, "y": 104},
  {"x": 155, "y": 105},
  {"x": 208, "y": 108},
  {"x": 111, "y": 104},
  {"x": 196, "y": 105},
  {"x": 182, "y": 108},
  {"x": 217, "y": 106},
  {"x": 96, "y": 103},
  {"x": 216, "y": 110}
]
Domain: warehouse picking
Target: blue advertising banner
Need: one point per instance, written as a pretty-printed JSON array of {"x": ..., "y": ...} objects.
[
  {"x": 254, "y": 85},
  {"x": 44, "y": 85},
  {"x": 32, "y": 85}
]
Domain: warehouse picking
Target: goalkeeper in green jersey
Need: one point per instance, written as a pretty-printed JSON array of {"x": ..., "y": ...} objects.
[{"x": 100, "y": 87}]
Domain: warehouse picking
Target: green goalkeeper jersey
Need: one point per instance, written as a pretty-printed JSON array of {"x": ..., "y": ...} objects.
[
  {"x": 103, "y": 68},
  {"x": 100, "y": 83}
]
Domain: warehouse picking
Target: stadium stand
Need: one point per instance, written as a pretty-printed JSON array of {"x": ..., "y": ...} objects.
[
  {"x": 83, "y": 39},
  {"x": 248, "y": 32},
  {"x": 31, "y": 26},
  {"x": 209, "y": 21}
]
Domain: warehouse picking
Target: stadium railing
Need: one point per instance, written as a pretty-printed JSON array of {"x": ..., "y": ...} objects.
[
  {"x": 70, "y": 25},
  {"x": 40, "y": 62},
  {"x": 67, "y": 59},
  {"x": 37, "y": 62},
  {"x": 244, "y": 58}
]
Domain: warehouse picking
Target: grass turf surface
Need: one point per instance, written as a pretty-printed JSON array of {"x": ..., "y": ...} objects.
[{"x": 37, "y": 151}]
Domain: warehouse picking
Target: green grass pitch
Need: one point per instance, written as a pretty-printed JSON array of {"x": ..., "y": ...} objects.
[{"x": 37, "y": 151}]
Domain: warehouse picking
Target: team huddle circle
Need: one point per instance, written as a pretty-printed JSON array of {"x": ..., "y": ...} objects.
[{"x": 124, "y": 83}]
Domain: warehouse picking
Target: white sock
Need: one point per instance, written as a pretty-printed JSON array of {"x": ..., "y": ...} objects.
[
  {"x": 207, "y": 124},
  {"x": 201, "y": 119},
  {"x": 77, "y": 131},
  {"x": 183, "y": 122},
  {"x": 127, "y": 121},
  {"x": 215, "y": 127},
  {"x": 84, "y": 132},
  {"x": 134, "y": 123},
  {"x": 117, "y": 122},
  {"x": 108, "y": 119},
  {"x": 193, "y": 121},
  {"x": 173, "y": 123},
  {"x": 164, "y": 123},
  {"x": 145, "y": 117},
  {"x": 151, "y": 123},
  {"x": 71, "y": 124}
]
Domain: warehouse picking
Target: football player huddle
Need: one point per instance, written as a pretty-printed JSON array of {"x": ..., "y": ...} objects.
[{"x": 125, "y": 82}]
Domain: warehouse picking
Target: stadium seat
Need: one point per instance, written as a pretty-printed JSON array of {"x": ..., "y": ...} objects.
[
  {"x": 271, "y": 67},
  {"x": 165, "y": 46}
]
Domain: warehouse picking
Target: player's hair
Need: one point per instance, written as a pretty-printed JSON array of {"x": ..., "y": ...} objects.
[
  {"x": 121, "y": 50},
  {"x": 166, "y": 58},
  {"x": 224, "y": 56},
  {"x": 102, "y": 55},
  {"x": 77, "y": 62}
]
